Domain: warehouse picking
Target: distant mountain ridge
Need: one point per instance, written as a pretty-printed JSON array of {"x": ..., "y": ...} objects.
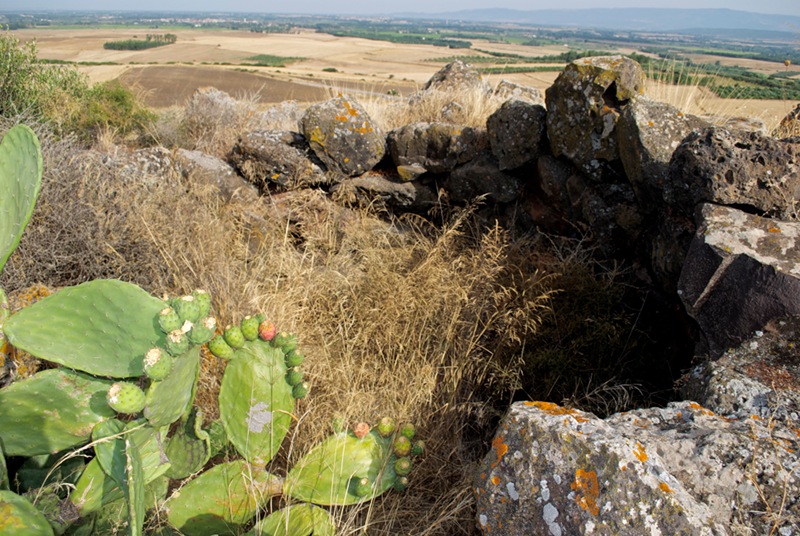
[{"x": 643, "y": 19}]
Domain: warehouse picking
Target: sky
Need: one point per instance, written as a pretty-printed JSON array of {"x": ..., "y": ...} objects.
[{"x": 369, "y": 7}]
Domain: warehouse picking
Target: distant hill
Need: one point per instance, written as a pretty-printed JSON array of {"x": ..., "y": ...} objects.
[{"x": 646, "y": 19}]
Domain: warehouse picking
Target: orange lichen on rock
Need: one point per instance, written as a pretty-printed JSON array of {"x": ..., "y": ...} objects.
[
  {"x": 773, "y": 230},
  {"x": 697, "y": 407},
  {"x": 496, "y": 480},
  {"x": 554, "y": 409},
  {"x": 640, "y": 452},
  {"x": 663, "y": 487},
  {"x": 500, "y": 448},
  {"x": 587, "y": 490}
]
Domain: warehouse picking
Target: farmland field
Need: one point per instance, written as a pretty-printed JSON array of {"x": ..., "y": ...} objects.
[{"x": 317, "y": 62}]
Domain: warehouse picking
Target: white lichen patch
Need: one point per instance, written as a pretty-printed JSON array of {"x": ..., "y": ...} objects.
[
  {"x": 512, "y": 491},
  {"x": 545, "y": 490},
  {"x": 483, "y": 520},
  {"x": 549, "y": 514},
  {"x": 258, "y": 417}
]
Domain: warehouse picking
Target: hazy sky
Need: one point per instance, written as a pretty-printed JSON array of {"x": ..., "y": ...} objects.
[{"x": 786, "y": 7}]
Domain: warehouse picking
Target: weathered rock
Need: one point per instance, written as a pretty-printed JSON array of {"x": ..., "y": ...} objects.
[
  {"x": 789, "y": 125},
  {"x": 276, "y": 157},
  {"x": 675, "y": 470},
  {"x": 410, "y": 172},
  {"x": 206, "y": 169},
  {"x": 745, "y": 123},
  {"x": 482, "y": 176},
  {"x": 517, "y": 133},
  {"x": 583, "y": 106},
  {"x": 740, "y": 273},
  {"x": 729, "y": 167},
  {"x": 554, "y": 174},
  {"x": 759, "y": 379},
  {"x": 648, "y": 133},
  {"x": 389, "y": 190},
  {"x": 436, "y": 147},
  {"x": 285, "y": 115},
  {"x": 457, "y": 76},
  {"x": 343, "y": 136},
  {"x": 506, "y": 89}
]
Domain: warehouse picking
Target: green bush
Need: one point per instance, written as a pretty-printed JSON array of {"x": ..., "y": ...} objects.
[{"x": 108, "y": 106}]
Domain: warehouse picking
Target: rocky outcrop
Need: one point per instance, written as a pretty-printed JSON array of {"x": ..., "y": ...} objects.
[
  {"x": 517, "y": 133},
  {"x": 201, "y": 168},
  {"x": 741, "y": 272},
  {"x": 435, "y": 147},
  {"x": 506, "y": 89},
  {"x": 457, "y": 76},
  {"x": 482, "y": 176},
  {"x": 343, "y": 136},
  {"x": 277, "y": 158},
  {"x": 583, "y": 107}
]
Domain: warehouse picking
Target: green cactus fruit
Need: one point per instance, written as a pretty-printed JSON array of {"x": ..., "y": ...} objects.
[
  {"x": 363, "y": 487},
  {"x": 401, "y": 483},
  {"x": 220, "y": 348},
  {"x": 285, "y": 341},
  {"x": 125, "y": 397},
  {"x": 402, "y": 466},
  {"x": 224, "y": 497},
  {"x": 157, "y": 364},
  {"x": 20, "y": 182},
  {"x": 418, "y": 448},
  {"x": 203, "y": 331},
  {"x": 386, "y": 427},
  {"x": 325, "y": 474},
  {"x": 168, "y": 320},
  {"x": 177, "y": 342},
  {"x": 203, "y": 299},
  {"x": 168, "y": 400},
  {"x": 187, "y": 309},
  {"x": 408, "y": 430},
  {"x": 296, "y": 520},
  {"x": 294, "y": 377},
  {"x": 21, "y": 517},
  {"x": 68, "y": 394},
  {"x": 233, "y": 336},
  {"x": 102, "y": 327},
  {"x": 402, "y": 446},
  {"x": 266, "y": 330},
  {"x": 300, "y": 390},
  {"x": 249, "y": 326},
  {"x": 294, "y": 358},
  {"x": 255, "y": 403}
]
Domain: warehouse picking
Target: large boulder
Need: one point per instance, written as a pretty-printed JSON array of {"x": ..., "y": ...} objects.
[
  {"x": 682, "y": 469},
  {"x": 506, "y": 89},
  {"x": 343, "y": 136},
  {"x": 275, "y": 157},
  {"x": 482, "y": 177},
  {"x": 583, "y": 107},
  {"x": 517, "y": 133},
  {"x": 734, "y": 167},
  {"x": 435, "y": 147},
  {"x": 201, "y": 168},
  {"x": 648, "y": 133},
  {"x": 457, "y": 76},
  {"x": 740, "y": 273}
]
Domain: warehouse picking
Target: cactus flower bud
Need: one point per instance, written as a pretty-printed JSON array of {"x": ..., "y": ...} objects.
[
  {"x": 285, "y": 341},
  {"x": 157, "y": 364},
  {"x": 187, "y": 308},
  {"x": 125, "y": 397},
  {"x": 361, "y": 430},
  {"x": 418, "y": 448},
  {"x": 202, "y": 331}
]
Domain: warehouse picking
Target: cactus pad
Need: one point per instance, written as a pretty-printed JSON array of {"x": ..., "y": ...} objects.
[
  {"x": 169, "y": 399},
  {"x": 255, "y": 402},
  {"x": 18, "y": 516},
  {"x": 190, "y": 448},
  {"x": 110, "y": 450},
  {"x": 51, "y": 411},
  {"x": 227, "y": 494},
  {"x": 102, "y": 327},
  {"x": 20, "y": 182},
  {"x": 296, "y": 520},
  {"x": 330, "y": 473}
]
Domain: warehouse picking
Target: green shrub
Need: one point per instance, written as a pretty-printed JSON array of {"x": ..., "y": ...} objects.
[{"x": 108, "y": 106}]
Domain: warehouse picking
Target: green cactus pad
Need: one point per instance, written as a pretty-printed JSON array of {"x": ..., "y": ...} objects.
[
  {"x": 326, "y": 474},
  {"x": 20, "y": 182},
  {"x": 109, "y": 450},
  {"x": 51, "y": 411},
  {"x": 134, "y": 488},
  {"x": 168, "y": 400},
  {"x": 42, "y": 470},
  {"x": 94, "y": 489},
  {"x": 189, "y": 448},
  {"x": 19, "y": 517},
  {"x": 149, "y": 442},
  {"x": 255, "y": 402},
  {"x": 102, "y": 327},
  {"x": 227, "y": 495},
  {"x": 3, "y": 470},
  {"x": 296, "y": 520}
]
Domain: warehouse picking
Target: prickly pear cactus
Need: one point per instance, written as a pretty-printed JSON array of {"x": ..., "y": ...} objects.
[
  {"x": 296, "y": 520},
  {"x": 226, "y": 495},
  {"x": 169, "y": 399},
  {"x": 102, "y": 327},
  {"x": 330, "y": 473},
  {"x": 51, "y": 411},
  {"x": 18, "y": 516},
  {"x": 255, "y": 402},
  {"x": 3, "y": 469},
  {"x": 190, "y": 448},
  {"x": 20, "y": 182}
]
